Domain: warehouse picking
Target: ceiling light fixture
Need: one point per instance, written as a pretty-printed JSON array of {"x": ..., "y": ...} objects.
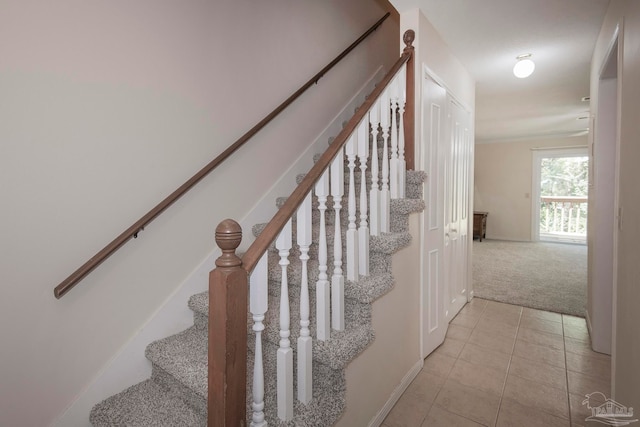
[{"x": 524, "y": 67}]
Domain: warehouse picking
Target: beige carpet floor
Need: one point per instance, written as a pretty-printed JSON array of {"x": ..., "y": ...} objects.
[{"x": 542, "y": 275}]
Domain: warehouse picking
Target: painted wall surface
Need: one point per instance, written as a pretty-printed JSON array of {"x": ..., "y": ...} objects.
[
  {"x": 626, "y": 345},
  {"x": 392, "y": 354},
  {"x": 105, "y": 109},
  {"x": 503, "y": 182},
  {"x": 433, "y": 52}
]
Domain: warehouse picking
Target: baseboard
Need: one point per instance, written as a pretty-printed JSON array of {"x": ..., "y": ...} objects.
[
  {"x": 397, "y": 393},
  {"x": 506, "y": 239}
]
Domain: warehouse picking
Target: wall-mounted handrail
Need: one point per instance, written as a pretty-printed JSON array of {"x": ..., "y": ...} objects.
[{"x": 68, "y": 284}]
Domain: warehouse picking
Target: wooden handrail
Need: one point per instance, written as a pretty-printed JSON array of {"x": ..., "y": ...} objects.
[
  {"x": 67, "y": 284},
  {"x": 273, "y": 228}
]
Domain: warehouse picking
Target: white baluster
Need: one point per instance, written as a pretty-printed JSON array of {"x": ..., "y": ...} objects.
[
  {"x": 304, "y": 227},
  {"x": 258, "y": 302},
  {"x": 402, "y": 163},
  {"x": 337, "y": 280},
  {"x": 363, "y": 230},
  {"x": 393, "y": 161},
  {"x": 323, "y": 326},
  {"x": 351, "y": 150},
  {"x": 385, "y": 198},
  {"x": 374, "y": 193},
  {"x": 285, "y": 352}
]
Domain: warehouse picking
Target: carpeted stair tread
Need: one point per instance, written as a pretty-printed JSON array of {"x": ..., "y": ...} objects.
[
  {"x": 413, "y": 179},
  {"x": 183, "y": 356},
  {"x": 146, "y": 404},
  {"x": 389, "y": 243},
  {"x": 199, "y": 303},
  {"x": 336, "y": 352},
  {"x": 364, "y": 290},
  {"x": 400, "y": 209},
  {"x": 329, "y": 388},
  {"x": 369, "y": 288},
  {"x": 416, "y": 177},
  {"x": 406, "y": 206},
  {"x": 397, "y": 206},
  {"x": 342, "y": 347}
]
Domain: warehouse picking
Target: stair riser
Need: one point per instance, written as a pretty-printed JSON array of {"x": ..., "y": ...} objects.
[{"x": 178, "y": 389}]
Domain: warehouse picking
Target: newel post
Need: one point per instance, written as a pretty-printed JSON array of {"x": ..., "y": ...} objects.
[
  {"x": 228, "y": 293},
  {"x": 410, "y": 108}
]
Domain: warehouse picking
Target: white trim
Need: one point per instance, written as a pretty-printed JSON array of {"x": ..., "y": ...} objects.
[
  {"x": 422, "y": 273},
  {"x": 397, "y": 393},
  {"x": 617, "y": 40},
  {"x": 587, "y": 318},
  {"x": 429, "y": 73},
  {"x": 568, "y": 147}
]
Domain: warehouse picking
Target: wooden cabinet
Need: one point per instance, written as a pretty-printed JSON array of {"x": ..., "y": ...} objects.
[{"x": 480, "y": 225}]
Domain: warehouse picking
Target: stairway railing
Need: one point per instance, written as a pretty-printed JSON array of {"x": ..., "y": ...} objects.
[
  {"x": 235, "y": 278},
  {"x": 132, "y": 232}
]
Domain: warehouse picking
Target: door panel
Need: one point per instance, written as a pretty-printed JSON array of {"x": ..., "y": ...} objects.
[
  {"x": 434, "y": 323},
  {"x": 457, "y": 191}
]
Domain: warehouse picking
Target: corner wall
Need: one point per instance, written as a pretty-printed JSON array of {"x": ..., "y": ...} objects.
[
  {"x": 106, "y": 109},
  {"x": 626, "y": 291},
  {"x": 503, "y": 182}
]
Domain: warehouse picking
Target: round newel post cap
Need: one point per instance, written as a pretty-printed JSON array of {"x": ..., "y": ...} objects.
[
  {"x": 408, "y": 38},
  {"x": 228, "y": 238}
]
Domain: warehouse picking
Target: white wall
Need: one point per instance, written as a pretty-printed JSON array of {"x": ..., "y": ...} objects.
[
  {"x": 626, "y": 345},
  {"x": 395, "y": 353},
  {"x": 107, "y": 108},
  {"x": 503, "y": 183},
  {"x": 433, "y": 52}
]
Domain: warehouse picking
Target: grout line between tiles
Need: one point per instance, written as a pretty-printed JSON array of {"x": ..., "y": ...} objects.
[
  {"x": 566, "y": 372},
  {"x": 504, "y": 386},
  {"x": 449, "y": 373}
]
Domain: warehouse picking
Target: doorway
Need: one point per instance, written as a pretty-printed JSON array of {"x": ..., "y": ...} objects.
[
  {"x": 560, "y": 188},
  {"x": 605, "y": 151}
]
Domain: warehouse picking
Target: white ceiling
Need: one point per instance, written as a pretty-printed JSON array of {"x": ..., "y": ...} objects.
[{"x": 487, "y": 35}]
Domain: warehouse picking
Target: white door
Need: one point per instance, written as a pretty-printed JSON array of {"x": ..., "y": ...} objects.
[
  {"x": 456, "y": 225},
  {"x": 434, "y": 148},
  {"x": 447, "y": 142}
]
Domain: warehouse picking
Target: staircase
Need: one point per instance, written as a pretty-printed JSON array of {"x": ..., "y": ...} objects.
[{"x": 175, "y": 395}]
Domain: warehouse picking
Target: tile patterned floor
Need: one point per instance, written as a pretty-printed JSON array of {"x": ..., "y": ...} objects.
[{"x": 506, "y": 365}]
